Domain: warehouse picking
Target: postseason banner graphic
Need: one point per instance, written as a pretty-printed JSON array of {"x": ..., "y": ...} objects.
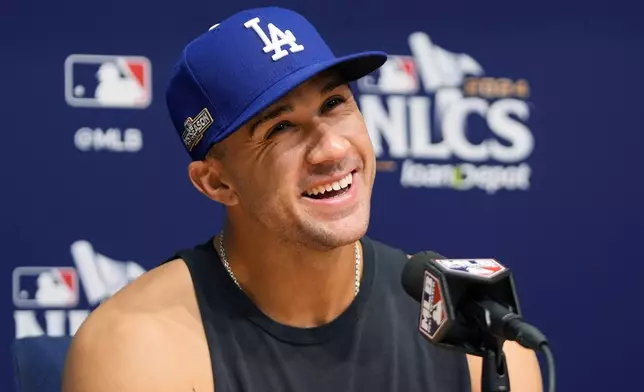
[{"x": 439, "y": 121}]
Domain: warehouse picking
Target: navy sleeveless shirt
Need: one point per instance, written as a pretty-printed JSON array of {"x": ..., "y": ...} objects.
[{"x": 374, "y": 346}]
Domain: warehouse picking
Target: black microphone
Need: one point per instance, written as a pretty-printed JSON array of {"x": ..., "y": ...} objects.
[
  {"x": 471, "y": 305},
  {"x": 467, "y": 304}
]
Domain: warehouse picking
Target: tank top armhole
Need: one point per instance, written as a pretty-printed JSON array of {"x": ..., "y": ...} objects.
[
  {"x": 199, "y": 263},
  {"x": 465, "y": 375}
]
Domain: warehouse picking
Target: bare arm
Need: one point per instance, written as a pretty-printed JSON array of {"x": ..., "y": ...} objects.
[
  {"x": 523, "y": 368},
  {"x": 148, "y": 337},
  {"x": 129, "y": 356}
]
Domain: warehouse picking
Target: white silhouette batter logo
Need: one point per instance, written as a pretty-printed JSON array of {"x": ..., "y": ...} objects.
[
  {"x": 432, "y": 313},
  {"x": 114, "y": 89},
  {"x": 485, "y": 268},
  {"x": 53, "y": 290},
  {"x": 106, "y": 81}
]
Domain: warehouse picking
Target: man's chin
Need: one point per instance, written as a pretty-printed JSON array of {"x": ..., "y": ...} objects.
[{"x": 331, "y": 235}]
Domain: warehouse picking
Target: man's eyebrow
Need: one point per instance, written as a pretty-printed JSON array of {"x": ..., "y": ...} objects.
[
  {"x": 332, "y": 84},
  {"x": 270, "y": 115},
  {"x": 273, "y": 113}
]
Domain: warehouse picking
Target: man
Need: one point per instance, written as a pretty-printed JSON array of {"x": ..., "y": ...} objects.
[{"x": 291, "y": 295}]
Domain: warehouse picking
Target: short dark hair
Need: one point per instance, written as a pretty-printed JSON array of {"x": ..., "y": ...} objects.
[{"x": 217, "y": 151}]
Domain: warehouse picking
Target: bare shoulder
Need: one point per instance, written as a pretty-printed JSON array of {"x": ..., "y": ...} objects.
[
  {"x": 523, "y": 368},
  {"x": 147, "y": 337}
]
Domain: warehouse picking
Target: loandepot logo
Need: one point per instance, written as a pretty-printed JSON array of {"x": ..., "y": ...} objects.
[{"x": 438, "y": 120}]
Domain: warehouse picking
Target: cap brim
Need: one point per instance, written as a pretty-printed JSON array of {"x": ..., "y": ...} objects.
[{"x": 351, "y": 68}]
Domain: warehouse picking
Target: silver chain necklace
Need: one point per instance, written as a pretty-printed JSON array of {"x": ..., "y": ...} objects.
[{"x": 224, "y": 260}]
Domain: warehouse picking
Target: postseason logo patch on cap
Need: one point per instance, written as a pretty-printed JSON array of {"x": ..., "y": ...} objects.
[{"x": 194, "y": 128}]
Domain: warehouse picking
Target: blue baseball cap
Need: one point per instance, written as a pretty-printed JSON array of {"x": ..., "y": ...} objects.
[{"x": 244, "y": 64}]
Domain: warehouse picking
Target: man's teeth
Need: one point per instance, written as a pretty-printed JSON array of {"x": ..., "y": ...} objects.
[{"x": 333, "y": 186}]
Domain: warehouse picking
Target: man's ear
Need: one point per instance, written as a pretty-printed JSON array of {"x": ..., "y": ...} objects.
[{"x": 208, "y": 177}]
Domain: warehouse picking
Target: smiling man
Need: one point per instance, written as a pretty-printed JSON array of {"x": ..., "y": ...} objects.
[{"x": 291, "y": 295}]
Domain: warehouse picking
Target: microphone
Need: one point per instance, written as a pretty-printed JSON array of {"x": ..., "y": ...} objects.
[
  {"x": 471, "y": 305},
  {"x": 467, "y": 302}
]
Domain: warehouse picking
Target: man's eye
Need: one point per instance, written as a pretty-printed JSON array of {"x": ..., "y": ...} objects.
[
  {"x": 278, "y": 128},
  {"x": 332, "y": 103}
]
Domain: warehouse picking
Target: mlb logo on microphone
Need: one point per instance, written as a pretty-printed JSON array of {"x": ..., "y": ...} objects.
[
  {"x": 432, "y": 312},
  {"x": 485, "y": 268},
  {"x": 45, "y": 287},
  {"x": 397, "y": 75},
  {"x": 106, "y": 81}
]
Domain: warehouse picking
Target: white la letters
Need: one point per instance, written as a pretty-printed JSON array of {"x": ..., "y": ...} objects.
[{"x": 278, "y": 39}]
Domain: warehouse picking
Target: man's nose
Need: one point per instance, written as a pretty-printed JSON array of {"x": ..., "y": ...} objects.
[{"x": 329, "y": 147}]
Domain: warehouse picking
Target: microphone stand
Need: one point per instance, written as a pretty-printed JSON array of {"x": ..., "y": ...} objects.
[{"x": 495, "y": 371}]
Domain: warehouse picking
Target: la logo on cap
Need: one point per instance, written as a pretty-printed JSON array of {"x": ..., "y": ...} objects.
[{"x": 278, "y": 39}]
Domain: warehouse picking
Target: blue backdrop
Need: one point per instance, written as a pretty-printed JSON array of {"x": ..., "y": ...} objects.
[{"x": 504, "y": 129}]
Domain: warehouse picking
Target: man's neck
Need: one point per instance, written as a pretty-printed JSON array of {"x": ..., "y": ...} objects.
[{"x": 292, "y": 285}]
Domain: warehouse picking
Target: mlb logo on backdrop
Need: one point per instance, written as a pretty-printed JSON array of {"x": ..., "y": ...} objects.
[
  {"x": 47, "y": 299},
  {"x": 40, "y": 287},
  {"x": 397, "y": 75},
  {"x": 106, "y": 81}
]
